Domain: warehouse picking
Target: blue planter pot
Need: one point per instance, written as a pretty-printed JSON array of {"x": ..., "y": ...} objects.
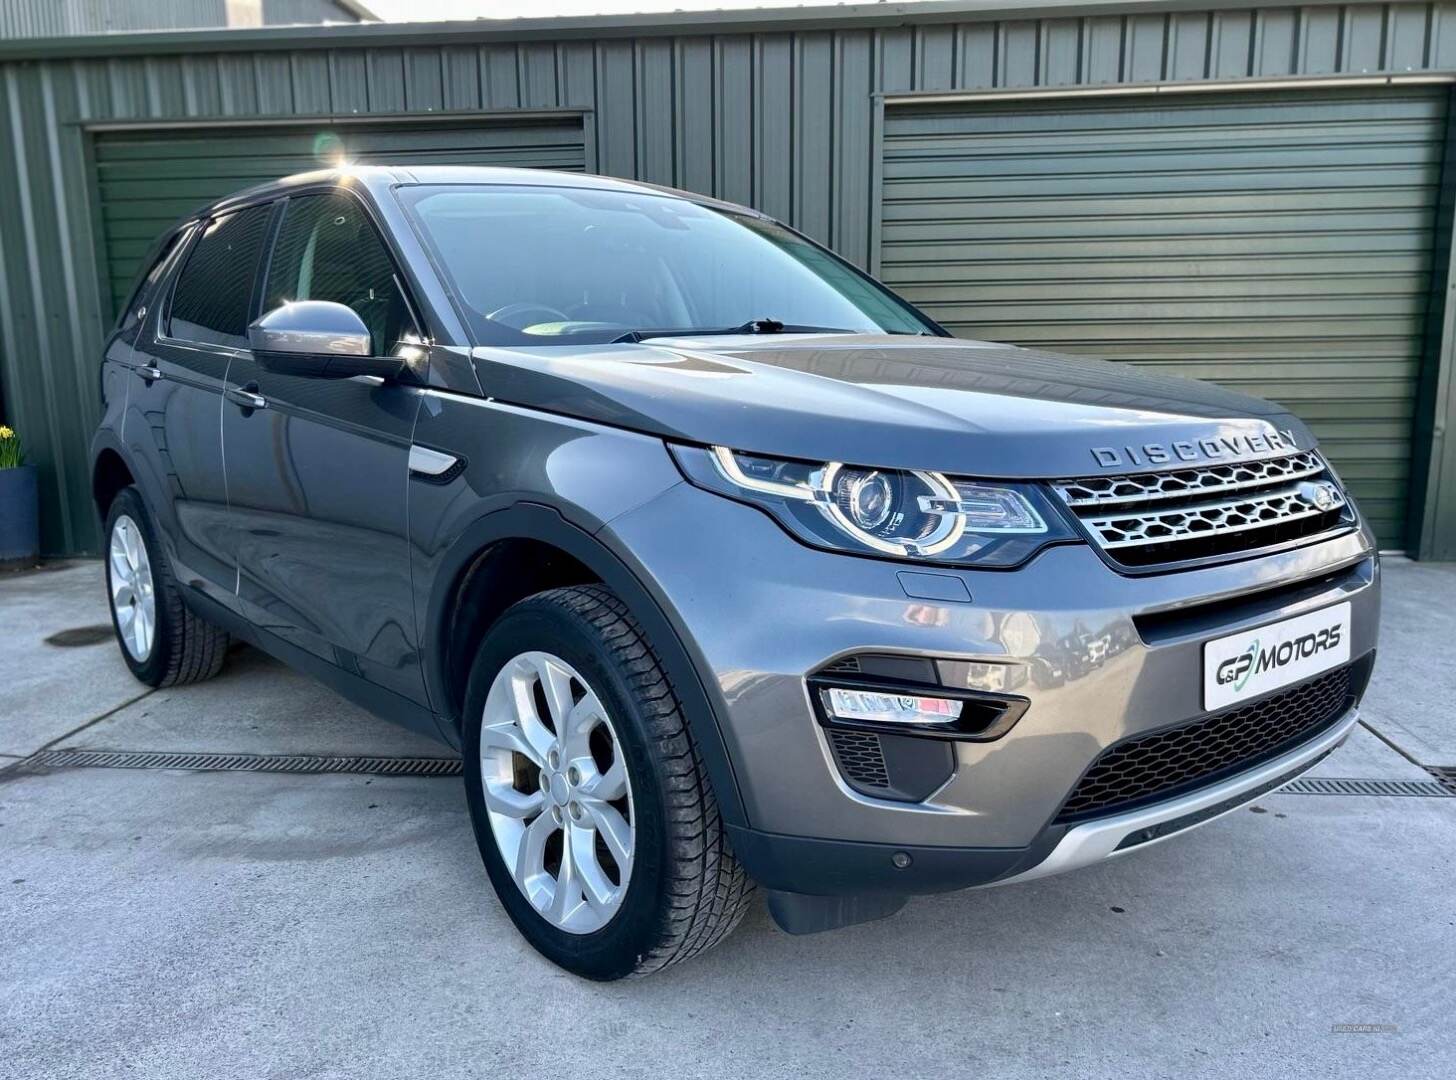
[{"x": 19, "y": 517}]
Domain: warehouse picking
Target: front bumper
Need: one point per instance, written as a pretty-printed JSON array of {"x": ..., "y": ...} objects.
[
  {"x": 1100, "y": 656},
  {"x": 1117, "y": 834},
  {"x": 840, "y": 868}
]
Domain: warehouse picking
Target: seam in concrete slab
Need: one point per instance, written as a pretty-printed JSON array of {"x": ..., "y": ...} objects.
[
  {"x": 1393, "y": 745},
  {"x": 80, "y": 728}
]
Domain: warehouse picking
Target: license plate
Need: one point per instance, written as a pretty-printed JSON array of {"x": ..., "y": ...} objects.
[{"x": 1254, "y": 662}]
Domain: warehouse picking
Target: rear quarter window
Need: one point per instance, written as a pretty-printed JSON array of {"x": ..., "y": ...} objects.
[
  {"x": 145, "y": 285},
  {"x": 214, "y": 293}
]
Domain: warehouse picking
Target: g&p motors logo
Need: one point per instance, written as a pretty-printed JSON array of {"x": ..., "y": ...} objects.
[
  {"x": 1245, "y": 665},
  {"x": 1256, "y": 659}
]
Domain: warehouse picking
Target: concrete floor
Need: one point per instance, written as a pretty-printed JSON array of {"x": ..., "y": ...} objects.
[{"x": 178, "y": 924}]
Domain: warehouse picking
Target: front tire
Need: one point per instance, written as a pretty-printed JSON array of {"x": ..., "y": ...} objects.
[
  {"x": 591, "y": 807},
  {"x": 161, "y": 640}
]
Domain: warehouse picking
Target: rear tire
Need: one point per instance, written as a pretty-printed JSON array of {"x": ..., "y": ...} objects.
[
  {"x": 678, "y": 891},
  {"x": 161, "y": 640}
]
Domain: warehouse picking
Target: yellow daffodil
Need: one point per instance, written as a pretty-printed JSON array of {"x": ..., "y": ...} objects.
[{"x": 10, "y": 455}]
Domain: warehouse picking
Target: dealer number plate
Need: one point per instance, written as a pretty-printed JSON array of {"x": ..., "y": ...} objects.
[{"x": 1254, "y": 662}]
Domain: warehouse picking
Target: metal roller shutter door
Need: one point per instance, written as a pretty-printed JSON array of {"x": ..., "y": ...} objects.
[
  {"x": 146, "y": 180},
  {"x": 1278, "y": 243}
]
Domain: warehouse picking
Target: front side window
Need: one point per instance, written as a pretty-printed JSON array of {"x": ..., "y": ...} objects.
[
  {"x": 210, "y": 303},
  {"x": 557, "y": 265},
  {"x": 328, "y": 249}
]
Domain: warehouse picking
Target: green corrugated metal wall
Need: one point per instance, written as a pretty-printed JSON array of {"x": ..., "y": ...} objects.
[
  {"x": 1279, "y": 244},
  {"x": 775, "y": 108},
  {"x": 147, "y": 180}
]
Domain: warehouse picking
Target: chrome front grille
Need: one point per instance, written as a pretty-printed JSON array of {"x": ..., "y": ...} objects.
[
  {"x": 1252, "y": 511},
  {"x": 1180, "y": 483},
  {"x": 1148, "y": 518}
]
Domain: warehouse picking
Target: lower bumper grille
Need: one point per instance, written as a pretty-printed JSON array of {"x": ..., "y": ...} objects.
[
  {"x": 901, "y": 768},
  {"x": 860, "y": 758},
  {"x": 1165, "y": 763}
]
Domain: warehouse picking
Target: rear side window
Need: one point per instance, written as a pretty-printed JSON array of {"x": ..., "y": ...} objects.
[
  {"x": 328, "y": 249},
  {"x": 210, "y": 303},
  {"x": 143, "y": 287}
]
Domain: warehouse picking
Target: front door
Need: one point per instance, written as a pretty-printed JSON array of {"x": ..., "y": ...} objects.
[
  {"x": 317, "y": 468},
  {"x": 173, "y": 426}
]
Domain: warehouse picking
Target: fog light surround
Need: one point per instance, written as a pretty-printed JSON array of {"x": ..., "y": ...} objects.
[{"x": 875, "y": 700}]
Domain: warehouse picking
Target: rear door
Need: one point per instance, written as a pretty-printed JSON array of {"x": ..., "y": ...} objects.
[
  {"x": 317, "y": 468},
  {"x": 174, "y": 401}
]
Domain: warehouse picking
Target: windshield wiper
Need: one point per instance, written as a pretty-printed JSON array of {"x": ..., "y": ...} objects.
[{"x": 752, "y": 326}]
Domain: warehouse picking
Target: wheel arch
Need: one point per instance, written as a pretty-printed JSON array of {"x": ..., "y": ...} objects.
[
  {"x": 110, "y": 473},
  {"x": 449, "y": 642}
]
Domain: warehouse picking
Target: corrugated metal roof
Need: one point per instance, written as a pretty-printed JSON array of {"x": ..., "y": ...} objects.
[
  {"x": 43, "y": 20},
  {"x": 653, "y": 24},
  {"x": 32, "y": 20}
]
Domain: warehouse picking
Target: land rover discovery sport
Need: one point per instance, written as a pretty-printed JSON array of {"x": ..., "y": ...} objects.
[{"x": 720, "y": 564}]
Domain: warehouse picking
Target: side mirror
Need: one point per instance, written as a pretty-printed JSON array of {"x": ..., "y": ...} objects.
[{"x": 317, "y": 339}]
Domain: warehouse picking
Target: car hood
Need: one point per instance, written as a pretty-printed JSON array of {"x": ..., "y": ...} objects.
[{"x": 966, "y": 407}]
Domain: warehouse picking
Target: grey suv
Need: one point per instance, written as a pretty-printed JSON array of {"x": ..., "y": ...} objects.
[{"x": 719, "y": 563}]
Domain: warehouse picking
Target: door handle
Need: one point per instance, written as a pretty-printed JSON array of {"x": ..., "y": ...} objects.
[
  {"x": 150, "y": 373},
  {"x": 246, "y": 397}
]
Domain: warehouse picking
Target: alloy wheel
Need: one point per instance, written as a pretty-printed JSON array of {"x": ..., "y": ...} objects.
[
  {"x": 556, "y": 792},
  {"x": 133, "y": 597}
]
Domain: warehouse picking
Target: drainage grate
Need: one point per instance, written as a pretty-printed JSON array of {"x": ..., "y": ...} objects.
[
  {"x": 292, "y": 763},
  {"x": 1445, "y": 775},
  {"x": 1335, "y": 785}
]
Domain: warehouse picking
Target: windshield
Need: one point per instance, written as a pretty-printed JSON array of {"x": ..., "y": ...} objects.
[{"x": 553, "y": 265}]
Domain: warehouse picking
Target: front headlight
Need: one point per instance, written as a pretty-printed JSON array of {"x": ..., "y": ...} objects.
[{"x": 925, "y": 516}]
